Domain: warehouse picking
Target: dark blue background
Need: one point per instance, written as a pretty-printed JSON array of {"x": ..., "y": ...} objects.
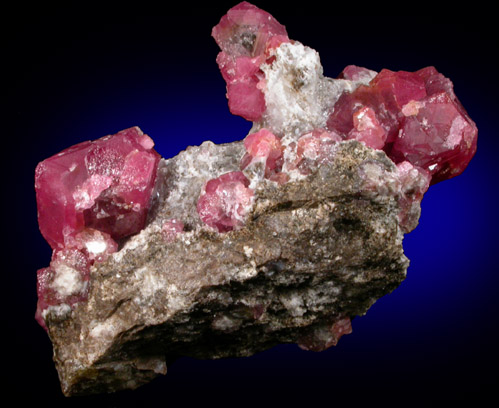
[{"x": 433, "y": 339}]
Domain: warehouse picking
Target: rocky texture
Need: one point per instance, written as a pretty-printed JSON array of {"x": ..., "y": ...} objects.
[
  {"x": 283, "y": 237},
  {"x": 313, "y": 254}
]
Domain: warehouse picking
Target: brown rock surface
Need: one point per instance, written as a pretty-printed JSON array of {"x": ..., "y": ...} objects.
[{"x": 313, "y": 253}]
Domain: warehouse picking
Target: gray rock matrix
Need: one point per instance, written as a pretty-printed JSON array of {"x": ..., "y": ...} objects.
[{"x": 313, "y": 251}]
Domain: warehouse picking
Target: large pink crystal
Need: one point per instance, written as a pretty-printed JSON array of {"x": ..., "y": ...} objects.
[
  {"x": 89, "y": 196},
  {"x": 104, "y": 184},
  {"x": 413, "y": 116},
  {"x": 246, "y": 35},
  {"x": 225, "y": 201},
  {"x": 436, "y": 136}
]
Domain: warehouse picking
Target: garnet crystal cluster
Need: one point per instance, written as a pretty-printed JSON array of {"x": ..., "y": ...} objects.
[
  {"x": 89, "y": 197},
  {"x": 227, "y": 250}
]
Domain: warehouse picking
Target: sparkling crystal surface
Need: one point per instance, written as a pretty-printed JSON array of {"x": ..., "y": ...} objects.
[
  {"x": 412, "y": 116},
  {"x": 225, "y": 201},
  {"x": 104, "y": 184}
]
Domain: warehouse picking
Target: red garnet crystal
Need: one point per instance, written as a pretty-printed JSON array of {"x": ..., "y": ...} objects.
[
  {"x": 412, "y": 116},
  {"x": 63, "y": 283},
  {"x": 225, "y": 201},
  {"x": 89, "y": 196},
  {"x": 263, "y": 146},
  {"x": 104, "y": 184},
  {"x": 246, "y": 36}
]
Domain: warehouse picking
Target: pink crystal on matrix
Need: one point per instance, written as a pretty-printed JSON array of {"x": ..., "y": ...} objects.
[
  {"x": 171, "y": 228},
  {"x": 412, "y": 116},
  {"x": 225, "y": 201},
  {"x": 89, "y": 196},
  {"x": 104, "y": 184},
  {"x": 263, "y": 146},
  {"x": 63, "y": 283},
  {"x": 313, "y": 149},
  {"x": 325, "y": 336},
  {"x": 246, "y": 35}
]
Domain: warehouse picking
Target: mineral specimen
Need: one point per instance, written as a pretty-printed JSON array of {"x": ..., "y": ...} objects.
[{"x": 227, "y": 250}]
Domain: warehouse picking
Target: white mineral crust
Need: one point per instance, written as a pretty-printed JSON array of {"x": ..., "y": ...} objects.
[{"x": 298, "y": 96}]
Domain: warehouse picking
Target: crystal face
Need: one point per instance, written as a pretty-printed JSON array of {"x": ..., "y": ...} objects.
[
  {"x": 105, "y": 184},
  {"x": 225, "y": 201},
  {"x": 246, "y": 35},
  {"x": 263, "y": 146},
  {"x": 412, "y": 116}
]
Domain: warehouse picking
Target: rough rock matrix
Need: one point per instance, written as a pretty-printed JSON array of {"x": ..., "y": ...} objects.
[{"x": 227, "y": 250}]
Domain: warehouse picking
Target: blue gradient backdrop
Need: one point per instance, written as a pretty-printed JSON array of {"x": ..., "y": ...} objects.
[{"x": 433, "y": 339}]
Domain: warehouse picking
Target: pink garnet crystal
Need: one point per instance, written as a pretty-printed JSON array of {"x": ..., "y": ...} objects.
[
  {"x": 225, "y": 201},
  {"x": 263, "y": 146},
  {"x": 171, "y": 228},
  {"x": 105, "y": 185},
  {"x": 246, "y": 35},
  {"x": 325, "y": 336},
  {"x": 89, "y": 196},
  {"x": 412, "y": 116},
  {"x": 313, "y": 149},
  {"x": 63, "y": 283}
]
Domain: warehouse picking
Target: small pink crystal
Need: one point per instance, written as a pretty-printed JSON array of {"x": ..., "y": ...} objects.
[
  {"x": 246, "y": 35},
  {"x": 64, "y": 282},
  {"x": 171, "y": 228},
  {"x": 313, "y": 149},
  {"x": 105, "y": 185},
  {"x": 414, "y": 183},
  {"x": 280, "y": 178},
  {"x": 355, "y": 73},
  {"x": 225, "y": 201},
  {"x": 325, "y": 336},
  {"x": 96, "y": 245},
  {"x": 263, "y": 146}
]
